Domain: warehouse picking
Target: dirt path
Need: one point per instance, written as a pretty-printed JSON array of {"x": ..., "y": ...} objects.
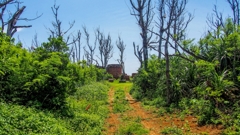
[
  {"x": 112, "y": 121},
  {"x": 154, "y": 123}
]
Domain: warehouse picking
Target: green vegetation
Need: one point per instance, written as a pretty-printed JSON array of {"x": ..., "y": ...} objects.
[
  {"x": 172, "y": 131},
  {"x": 82, "y": 119},
  {"x": 90, "y": 108},
  {"x": 124, "y": 86},
  {"x": 120, "y": 102},
  {"x": 131, "y": 127},
  {"x": 43, "y": 92},
  {"x": 207, "y": 88}
]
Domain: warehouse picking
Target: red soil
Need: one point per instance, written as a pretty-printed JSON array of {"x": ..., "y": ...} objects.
[{"x": 154, "y": 123}]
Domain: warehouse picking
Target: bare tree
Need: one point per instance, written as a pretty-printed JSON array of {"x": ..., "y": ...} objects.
[
  {"x": 100, "y": 39},
  {"x": 91, "y": 48},
  {"x": 57, "y": 30},
  {"x": 143, "y": 11},
  {"x": 121, "y": 47},
  {"x": 105, "y": 47},
  {"x": 216, "y": 20},
  {"x": 234, "y": 4},
  {"x": 171, "y": 24},
  {"x": 71, "y": 40},
  {"x": 138, "y": 53},
  {"x": 35, "y": 42},
  {"x": 77, "y": 45},
  {"x": 14, "y": 17}
]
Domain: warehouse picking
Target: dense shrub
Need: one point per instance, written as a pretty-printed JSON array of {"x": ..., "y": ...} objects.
[
  {"x": 44, "y": 77},
  {"x": 205, "y": 83}
]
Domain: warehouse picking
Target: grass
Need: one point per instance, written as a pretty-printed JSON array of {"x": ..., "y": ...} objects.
[
  {"x": 172, "y": 131},
  {"x": 124, "y": 86},
  {"x": 132, "y": 128},
  {"x": 129, "y": 125},
  {"x": 120, "y": 103},
  {"x": 87, "y": 111},
  {"x": 16, "y": 119}
]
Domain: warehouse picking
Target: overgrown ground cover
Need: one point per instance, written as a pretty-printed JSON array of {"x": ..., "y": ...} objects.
[
  {"x": 43, "y": 92},
  {"x": 87, "y": 110},
  {"x": 133, "y": 117},
  {"x": 119, "y": 122}
]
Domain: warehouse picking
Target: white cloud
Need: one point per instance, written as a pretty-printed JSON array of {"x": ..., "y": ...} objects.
[{"x": 19, "y": 29}]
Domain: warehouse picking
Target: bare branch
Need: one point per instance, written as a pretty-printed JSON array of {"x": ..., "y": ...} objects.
[
  {"x": 11, "y": 23},
  {"x": 91, "y": 49},
  {"x": 138, "y": 53},
  {"x": 143, "y": 12}
]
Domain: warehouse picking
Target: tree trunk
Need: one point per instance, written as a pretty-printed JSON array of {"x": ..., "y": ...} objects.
[{"x": 168, "y": 81}]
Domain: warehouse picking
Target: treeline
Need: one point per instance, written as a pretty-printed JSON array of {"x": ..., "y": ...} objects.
[{"x": 200, "y": 78}]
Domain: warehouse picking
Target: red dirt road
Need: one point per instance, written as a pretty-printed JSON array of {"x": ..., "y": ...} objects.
[{"x": 154, "y": 123}]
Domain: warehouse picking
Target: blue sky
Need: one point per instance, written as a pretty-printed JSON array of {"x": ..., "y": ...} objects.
[{"x": 112, "y": 16}]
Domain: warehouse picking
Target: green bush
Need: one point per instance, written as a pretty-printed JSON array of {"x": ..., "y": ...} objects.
[
  {"x": 44, "y": 77},
  {"x": 15, "y": 119},
  {"x": 204, "y": 110}
]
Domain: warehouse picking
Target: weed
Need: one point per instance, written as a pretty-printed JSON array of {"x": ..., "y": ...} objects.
[
  {"x": 132, "y": 128},
  {"x": 172, "y": 131},
  {"x": 120, "y": 103}
]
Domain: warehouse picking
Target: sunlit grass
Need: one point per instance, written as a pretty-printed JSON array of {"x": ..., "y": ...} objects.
[
  {"x": 87, "y": 111},
  {"x": 116, "y": 85}
]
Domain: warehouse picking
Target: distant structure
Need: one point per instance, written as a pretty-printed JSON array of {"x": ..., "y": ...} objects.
[
  {"x": 134, "y": 74},
  {"x": 115, "y": 70}
]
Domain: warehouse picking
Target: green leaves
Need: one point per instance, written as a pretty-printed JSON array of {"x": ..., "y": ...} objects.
[{"x": 55, "y": 45}]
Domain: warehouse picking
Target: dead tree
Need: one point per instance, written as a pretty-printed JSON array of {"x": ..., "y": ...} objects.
[
  {"x": 57, "y": 30},
  {"x": 71, "y": 40},
  {"x": 121, "y": 47},
  {"x": 105, "y": 47},
  {"x": 100, "y": 39},
  {"x": 77, "y": 45},
  {"x": 216, "y": 20},
  {"x": 91, "y": 48},
  {"x": 143, "y": 12},
  {"x": 14, "y": 18},
  {"x": 234, "y": 4},
  {"x": 138, "y": 53},
  {"x": 171, "y": 24}
]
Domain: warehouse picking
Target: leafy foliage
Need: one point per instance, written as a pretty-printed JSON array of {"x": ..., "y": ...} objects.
[
  {"x": 44, "y": 77},
  {"x": 207, "y": 86}
]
